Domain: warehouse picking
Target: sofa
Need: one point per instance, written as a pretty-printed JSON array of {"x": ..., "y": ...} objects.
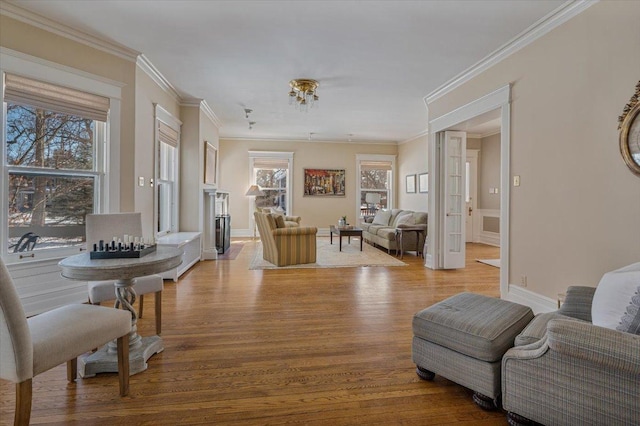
[
  {"x": 579, "y": 365},
  {"x": 381, "y": 229},
  {"x": 284, "y": 245}
]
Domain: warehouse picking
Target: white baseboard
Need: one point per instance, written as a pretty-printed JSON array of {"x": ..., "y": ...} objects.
[
  {"x": 490, "y": 238},
  {"x": 537, "y": 302}
]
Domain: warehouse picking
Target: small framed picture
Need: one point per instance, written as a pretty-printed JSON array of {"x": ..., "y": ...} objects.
[
  {"x": 423, "y": 182},
  {"x": 411, "y": 184}
]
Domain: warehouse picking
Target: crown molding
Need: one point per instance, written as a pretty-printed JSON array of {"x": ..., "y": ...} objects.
[
  {"x": 549, "y": 22},
  {"x": 308, "y": 141},
  {"x": 208, "y": 111},
  {"x": 412, "y": 138},
  {"x": 204, "y": 107},
  {"x": 145, "y": 65},
  {"x": 38, "y": 21}
]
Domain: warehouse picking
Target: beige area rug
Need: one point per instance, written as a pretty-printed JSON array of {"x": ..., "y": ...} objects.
[
  {"x": 491, "y": 262},
  {"x": 328, "y": 256}
]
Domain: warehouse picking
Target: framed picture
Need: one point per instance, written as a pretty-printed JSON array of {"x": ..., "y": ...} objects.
[
  {"x": 423, "y": 182},
  {"x": 324, "y": 182},
  {"x": 411, "y": 184},
  {"x": 210, "y": 163}
]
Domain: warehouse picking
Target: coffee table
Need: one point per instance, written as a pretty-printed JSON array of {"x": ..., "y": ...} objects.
[{"x": 347, "y": 232}]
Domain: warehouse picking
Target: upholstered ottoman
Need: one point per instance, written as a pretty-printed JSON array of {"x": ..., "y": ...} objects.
[{"x": 463, "y": 339}]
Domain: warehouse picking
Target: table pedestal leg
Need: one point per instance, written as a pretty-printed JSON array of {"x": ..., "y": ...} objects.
[{"x": 105, "y": 360}]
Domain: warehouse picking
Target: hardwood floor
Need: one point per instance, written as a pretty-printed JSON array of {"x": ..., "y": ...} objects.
[{"x": 300, "y": 346}]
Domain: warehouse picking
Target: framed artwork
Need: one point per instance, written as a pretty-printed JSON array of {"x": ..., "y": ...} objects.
[
  {"x": 411, "y": 184},
  {"x": 324, "y": 182},
  {"x": 210, "y": 163},
  {"x": 423, "y": 182}
]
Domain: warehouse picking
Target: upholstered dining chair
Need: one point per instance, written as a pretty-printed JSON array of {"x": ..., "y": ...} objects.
[
  {"x": 105, "y": 227},
  {"x": 32, "y": 346}
]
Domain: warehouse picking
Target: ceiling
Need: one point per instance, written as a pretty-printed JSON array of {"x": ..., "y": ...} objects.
[{"x": 375, "y": 60}]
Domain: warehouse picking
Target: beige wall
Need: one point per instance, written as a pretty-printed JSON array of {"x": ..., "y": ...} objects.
[
  {"x": 33, "y": 41},
  {"x": 489, "y": 172},
  {"x": 315, "y": 211},
  {"x": 575, "y": 215},
  {"x": 413, "y": 157},
  {"x": 196, "y": 129}
]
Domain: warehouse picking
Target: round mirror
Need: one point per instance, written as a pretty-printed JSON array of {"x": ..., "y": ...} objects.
[{"x": 630, "y": 133}]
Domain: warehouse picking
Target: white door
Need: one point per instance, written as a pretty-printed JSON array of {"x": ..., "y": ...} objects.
[
  {"x": 471, "y": 194},
  {"x": 455, "y": 145}
]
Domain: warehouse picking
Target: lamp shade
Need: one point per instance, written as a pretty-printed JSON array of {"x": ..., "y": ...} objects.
[
  {"x": 372, "y": 198},
  {"x": 255, "y": 190}
]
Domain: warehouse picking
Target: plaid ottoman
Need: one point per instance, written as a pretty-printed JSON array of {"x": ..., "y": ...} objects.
[{"x": 463, "y": 339}]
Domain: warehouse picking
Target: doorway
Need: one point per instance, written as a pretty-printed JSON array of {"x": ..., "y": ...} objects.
[{"x": 493, "y": 106}]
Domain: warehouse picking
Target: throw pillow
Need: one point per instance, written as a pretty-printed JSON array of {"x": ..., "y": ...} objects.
[
  {"x": 382, "y": 217},
  {"x": 631, "y": 319},
  {"x": 615, "y": 297},
  {"x": 279, "y": 220},
  {"x": 405, "y": 219}
]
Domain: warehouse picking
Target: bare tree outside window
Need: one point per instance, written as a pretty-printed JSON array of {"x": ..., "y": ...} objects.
[{"x": 50, "y": 157}]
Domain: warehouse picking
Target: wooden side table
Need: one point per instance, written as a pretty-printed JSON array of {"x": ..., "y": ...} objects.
[{"x": 400, "y": 237}]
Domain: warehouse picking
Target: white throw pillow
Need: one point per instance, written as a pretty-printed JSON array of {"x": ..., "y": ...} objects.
[
  {"x": 382, "y": 217},
  {"x": 614, "y": 295},
  {"x": 405, "y": 219}
]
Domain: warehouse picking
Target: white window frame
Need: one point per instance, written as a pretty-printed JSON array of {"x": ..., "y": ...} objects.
[
  {"x": 360, "y": 158},
  {"x": 107, "y": 155},
  {"x": 162, "y": 115},
  {"x": 253, "y": 155}
]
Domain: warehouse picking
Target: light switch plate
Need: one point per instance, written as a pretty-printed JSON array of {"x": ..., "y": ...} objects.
[
  {"x": 516, "y": 180},
  {"x": 141, "y": 181}
]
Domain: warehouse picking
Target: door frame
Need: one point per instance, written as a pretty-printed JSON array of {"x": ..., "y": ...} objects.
[{"x": 498, "y": 99}]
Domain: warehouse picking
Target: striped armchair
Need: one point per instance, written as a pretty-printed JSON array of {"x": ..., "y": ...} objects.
[
  {"x": 283, "y": 245},
  {"x": 566, "y": 371}
]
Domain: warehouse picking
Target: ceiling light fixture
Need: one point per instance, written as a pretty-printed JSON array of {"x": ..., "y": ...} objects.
[
  {"x": 303, "y": 93},
  {"x": 247, "y": 111},
  {"x": 251, "y": 123}
]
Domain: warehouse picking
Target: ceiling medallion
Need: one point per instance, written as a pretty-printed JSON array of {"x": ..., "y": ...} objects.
[{"x": 303, "y": 93}]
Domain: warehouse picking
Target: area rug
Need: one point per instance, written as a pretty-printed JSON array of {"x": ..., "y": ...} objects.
[
  {"x": 233, "y": 252},
  {"x": 328, "y": 256},
  {"x": 491, "y": 262}
]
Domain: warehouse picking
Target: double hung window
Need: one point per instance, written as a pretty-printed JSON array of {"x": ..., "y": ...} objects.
[
  {"x": 55, "y": 139},
  {"x": 375, "y": 183},
  {"x": 167, "y": 171},
  {"x": 271, "y": 172}
]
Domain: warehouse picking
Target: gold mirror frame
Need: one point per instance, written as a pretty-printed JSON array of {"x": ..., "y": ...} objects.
[{"x": 630, "y": 133}]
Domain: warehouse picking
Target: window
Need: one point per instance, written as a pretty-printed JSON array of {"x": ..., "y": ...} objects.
[
  {"x": 167, "y": 171},
  {"x": 54, "y": 142},
  {"x": 375, "y": 174},
  {"x": 271, "y": 171}
]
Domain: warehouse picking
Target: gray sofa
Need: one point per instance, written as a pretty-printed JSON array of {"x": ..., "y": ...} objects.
[
  {"x": 381, "y": 229},
  {"x": 566, "y": 371}
]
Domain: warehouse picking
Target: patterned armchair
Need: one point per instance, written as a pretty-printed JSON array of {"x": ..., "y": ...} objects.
[
  {"x": 566, "y": 371},
  {"x": 282, "y": 245}
]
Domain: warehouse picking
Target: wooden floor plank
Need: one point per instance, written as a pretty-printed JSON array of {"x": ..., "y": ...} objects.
[{"x": 296, "y": 346}]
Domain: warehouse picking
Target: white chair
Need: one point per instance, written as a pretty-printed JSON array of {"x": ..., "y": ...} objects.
[
  {"x": 105, "y": 227},
  {"x": 32, "y": 346}
]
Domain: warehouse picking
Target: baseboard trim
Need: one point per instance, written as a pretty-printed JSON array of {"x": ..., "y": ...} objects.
[{"x": 537, "y": 302}]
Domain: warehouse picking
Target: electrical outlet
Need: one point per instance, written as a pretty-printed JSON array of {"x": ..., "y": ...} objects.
[{"x": 523, "y": 280}]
